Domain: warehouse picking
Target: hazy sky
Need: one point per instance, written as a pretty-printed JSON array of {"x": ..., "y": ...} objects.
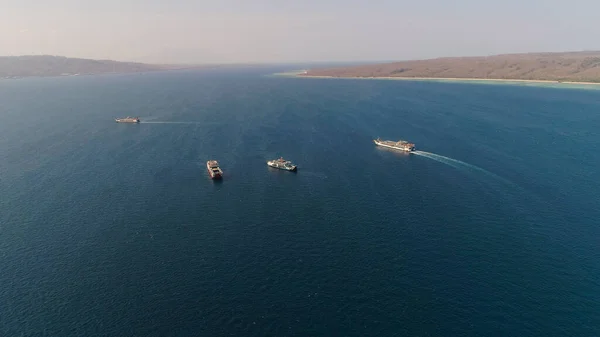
[{"x": 220, "y": 31}]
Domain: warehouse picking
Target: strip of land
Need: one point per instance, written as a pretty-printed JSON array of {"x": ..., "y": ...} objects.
[
  {"x": 45, "y": 65},
  {"x": 448, "y": 79},
  {"x": 571, "y": 67}
]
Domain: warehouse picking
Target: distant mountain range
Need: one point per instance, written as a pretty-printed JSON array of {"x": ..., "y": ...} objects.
[
  {"x": 567, "y": 67},
  {"x": 564, "y": 67},
  {"x": 45, "y": 65}
]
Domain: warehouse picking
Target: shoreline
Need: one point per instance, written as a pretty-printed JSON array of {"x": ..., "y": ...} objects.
[
  {"x": 447, "y": 79},
  {"x": 540, "y": 83}
]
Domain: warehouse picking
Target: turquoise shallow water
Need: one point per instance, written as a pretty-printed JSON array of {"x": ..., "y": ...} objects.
[{"x": 115, "y": 230}]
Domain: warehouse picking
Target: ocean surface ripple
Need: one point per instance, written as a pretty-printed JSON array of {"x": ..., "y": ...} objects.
[{"x": 109, "y": 229}]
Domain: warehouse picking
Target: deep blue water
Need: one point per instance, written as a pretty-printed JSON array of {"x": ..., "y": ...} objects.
[{"x": 115, "y": 230}]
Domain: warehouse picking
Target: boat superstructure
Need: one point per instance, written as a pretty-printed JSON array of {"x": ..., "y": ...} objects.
[
  {"x": 282, "y": 164},
  {"x": 128, "y": 120},
  {"x": 401, "y": 145},
  {"x": 214, "y": 170}
]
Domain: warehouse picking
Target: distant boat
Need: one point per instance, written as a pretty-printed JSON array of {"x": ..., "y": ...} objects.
[
  {"x": 401, "y": 145},
  {"x": 282, "y": 164},
  {"x": 214, "y": 170},
  {"x": 128, "y": 120}
]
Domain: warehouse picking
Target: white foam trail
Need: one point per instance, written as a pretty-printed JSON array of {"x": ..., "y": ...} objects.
[
  {"x": 448, "y": 160},
  {"x": 445, "y": 160},
  {"x": 148, "y": 118},
  {"x": 459, "y": 164}
]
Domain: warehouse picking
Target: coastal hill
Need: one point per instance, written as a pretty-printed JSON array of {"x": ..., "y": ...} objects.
[
  {"x": 45, "y": 65},
  {"x": 567, "y": 67}
]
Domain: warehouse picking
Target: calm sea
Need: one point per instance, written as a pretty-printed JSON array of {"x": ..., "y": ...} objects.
[{"x": 106, "y": 229}]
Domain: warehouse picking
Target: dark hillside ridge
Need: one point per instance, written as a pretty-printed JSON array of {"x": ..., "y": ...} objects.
[{"x": 45, "y": 65}]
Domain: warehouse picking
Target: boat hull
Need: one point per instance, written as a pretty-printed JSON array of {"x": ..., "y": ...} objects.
[
  {"x": 293, "y": 168},
  {"x": 215, "y": 176},
  {"x": 127, "y": 120},
  {"x": 404, "y": 149}
]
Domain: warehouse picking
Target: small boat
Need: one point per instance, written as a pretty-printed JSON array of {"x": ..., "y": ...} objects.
[
  {"x": 282, "y": 164},
  {"x": 128, "y": 120},
  {"x": 401, "y": 145},
  {"x": 214, "y": 170}
]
